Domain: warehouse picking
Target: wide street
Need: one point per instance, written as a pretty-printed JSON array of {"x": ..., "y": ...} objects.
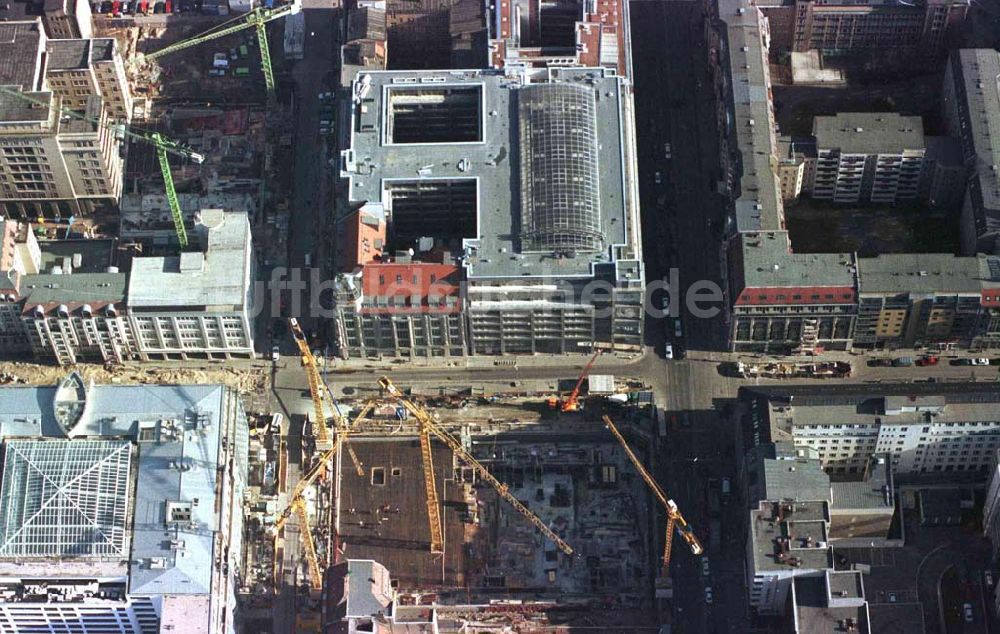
[{"x": 310, "y": 209}]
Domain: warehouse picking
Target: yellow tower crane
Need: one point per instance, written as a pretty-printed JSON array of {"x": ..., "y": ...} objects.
[
  {"x": 674, "y": 517},
  {"x": 297, "y": 503},
  {"x": 427, "y": 423},
  {"x": 320, "y": 394}
]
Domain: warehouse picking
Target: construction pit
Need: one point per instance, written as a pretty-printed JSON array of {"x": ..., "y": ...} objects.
[
  {"x": 566, "y": 468},
  {"x": 221, "y": 70}
]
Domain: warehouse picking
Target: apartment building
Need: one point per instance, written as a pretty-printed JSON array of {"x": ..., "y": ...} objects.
[
  {"x": 838, "y": 27},
  {"x": 782, "y": 301},
  {"x": 971, "y": 105},
  {"x": 430, "y": 157},
  {"x": 944, "y": 173},
  {"x": 143, "y": 484},
  {"x": 919, "y": 431},
  {"x": 868, "y": 157},
  {"x": 78, "y": 68},
  {"x": 796, "y": 167},
  {"x": 908, "y": 300}
]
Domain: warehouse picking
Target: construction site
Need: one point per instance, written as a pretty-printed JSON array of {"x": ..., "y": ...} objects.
[{"x": 496, "y": 510}]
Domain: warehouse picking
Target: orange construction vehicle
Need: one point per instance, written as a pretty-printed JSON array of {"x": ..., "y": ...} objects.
[{"x": 572, "y": 402}]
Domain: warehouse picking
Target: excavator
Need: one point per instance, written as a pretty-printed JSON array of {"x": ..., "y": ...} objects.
[{"x": 572, "y": 402}]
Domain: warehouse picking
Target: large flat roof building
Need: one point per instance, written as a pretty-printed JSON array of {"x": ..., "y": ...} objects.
[
  {"x": 525, "y": 183},
  {"x": 117, "y": 499}
]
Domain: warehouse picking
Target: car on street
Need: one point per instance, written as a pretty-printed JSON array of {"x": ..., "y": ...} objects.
[
  {"x": 658, "y": 178},
  {"x": 677, "y": 328},
  {"x": 275, "y": 353},
  {"x": 668, "y": 351},
  {"x": 967, "y": 610},
  {"x": 708, "y": 595},
  {"x": 704, "y": 566},
  {"x": 883, "y": 362},
  {"x": 980, "y": 361},
  {"x": 988, "y": 578},
  {"x": 903, "y": 362},
  {"x": 961, "y": 362},
  {"x": 927, "y": 360}
]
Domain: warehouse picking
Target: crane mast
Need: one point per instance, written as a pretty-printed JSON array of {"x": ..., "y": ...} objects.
[
  {"x": 315, "y": 573},
  {"x": 428, "y": 423},
  {"x": 315, "y": 389},
  {"x": 674, "y": 517}
]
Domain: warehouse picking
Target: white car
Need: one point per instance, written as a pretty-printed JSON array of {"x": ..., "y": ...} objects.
[
  {"x": 275, "y": 354},
  {"x": 967, "y": 610},
  {"x": 708, "y": 594},
  {"x": 981, "y": 361},
  {"x": 704, "y": 566},
  {"x": 668, "y": 351},
  {"x": 658, "y": 178}
]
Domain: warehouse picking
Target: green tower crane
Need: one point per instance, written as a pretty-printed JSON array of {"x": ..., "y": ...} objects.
[
  {"x": 163, "y": 145},
  {"x": 256, "y": 19}
]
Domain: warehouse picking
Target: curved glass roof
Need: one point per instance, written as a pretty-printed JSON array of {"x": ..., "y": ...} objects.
[{"x": 560, "y": 208}]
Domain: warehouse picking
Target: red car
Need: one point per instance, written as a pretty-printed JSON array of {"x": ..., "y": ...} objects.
[{"x": 929, "y": 360}]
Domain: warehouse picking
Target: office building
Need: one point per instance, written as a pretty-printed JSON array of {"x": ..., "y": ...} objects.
[
  {"x": 868, "y": 157},
  {"x": 991, "y": 507},
  {"x": 790, "y": 562},
  {"x": 839, "y": 27},
  {"x": 70, "y": 306},
  {"x": 61, "y": 18},
  {"x": 971, "y": 104},
  {"x": 120, "y": 507},
  {"x": 52, "y": 166},
  {"x": 787, "y": 301},
  {"x": 525, "y": 228},
  {"x": 571, "y": 33},
  {"x": 199, "y": 304},
  {"x": 78, "y": 68}
]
